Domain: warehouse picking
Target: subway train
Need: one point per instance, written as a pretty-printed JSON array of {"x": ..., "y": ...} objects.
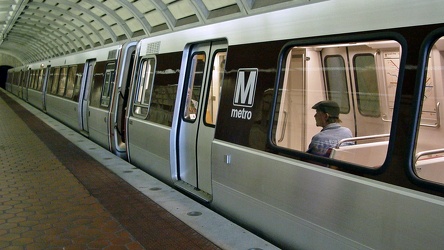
[{"x": 223, "y": 112}]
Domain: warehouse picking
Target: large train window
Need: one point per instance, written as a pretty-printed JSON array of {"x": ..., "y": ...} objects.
[
  {"x": 32, "y": 79},
  {"x": 40, "y": 79},
  {"x": 356, "y": 83},
  {"x": 429, "y": 157},
  {"x": 144, "y": 88},
  {"x": 70, "y": 81},
  {"x": 62, "y": 81},
  {"x": 163, "y": 89},
  {"x": 54, "y": 80}
]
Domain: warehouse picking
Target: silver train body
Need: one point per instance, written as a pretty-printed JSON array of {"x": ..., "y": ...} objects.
[{"x": 223, "y": 113}]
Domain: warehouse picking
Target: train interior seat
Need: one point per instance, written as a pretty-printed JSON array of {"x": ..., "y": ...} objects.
[
  {"x": 431, "y": 168},
  {"x": 370, "y": 154}
]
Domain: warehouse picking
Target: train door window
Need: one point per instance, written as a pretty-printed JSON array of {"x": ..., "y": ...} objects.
[
  {"x": 194, "y": 85},
  {"x": 102, "y": 79},
  {"x": 361, "y": 88},
  {"x": 144, "y": 88},
  {"x": 217, "y": 72},
  {"x": 108, "y": 83},
  {"x": 55, "y": 80},
  {"x": 429, "y": 157},
  {"x": 62, "y": 81},
  {"x": 70, "y": 82},
  {"x": 336, "y": 81},
  {"x": 366, "y": 85}
]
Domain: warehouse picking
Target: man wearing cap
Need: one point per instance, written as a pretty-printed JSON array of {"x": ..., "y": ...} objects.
[{"x": 327, "y": 117}]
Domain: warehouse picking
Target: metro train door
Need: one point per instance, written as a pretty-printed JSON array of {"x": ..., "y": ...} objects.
[
  {"x": 121, "y": 92},
  {"x": 366, "y": 97},
  {"x": 199, "y": 105},
  {"x": 338, "y": 84},
  {"x": 84, "y": 95},
  {"x": 352, "y": 82}
]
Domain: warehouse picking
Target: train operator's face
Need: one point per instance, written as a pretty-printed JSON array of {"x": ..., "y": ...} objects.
[{"x": 321, "y": 118}]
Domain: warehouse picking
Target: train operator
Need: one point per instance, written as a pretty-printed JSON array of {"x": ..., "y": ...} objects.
[{"x": 327, "y": 117}]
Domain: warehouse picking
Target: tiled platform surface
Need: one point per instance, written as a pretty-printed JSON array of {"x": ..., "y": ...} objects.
[{"x": 55, "y": 196}]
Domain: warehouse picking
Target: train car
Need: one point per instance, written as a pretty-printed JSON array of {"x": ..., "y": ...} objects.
[
  {"x": 17, "y": 80},
  {"x": 261, "y": 76},
  {"x": 9, "y": 79},
  {"x": 225, "y": 113},
  {"x": 86, "y": 91},
  {"x": 36, "y": 85}
]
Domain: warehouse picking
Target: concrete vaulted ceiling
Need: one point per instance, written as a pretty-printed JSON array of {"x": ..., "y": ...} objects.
[{"x": 33, "y": 30}]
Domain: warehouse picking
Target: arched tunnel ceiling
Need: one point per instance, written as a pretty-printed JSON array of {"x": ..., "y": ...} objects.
[{"x": 33, "y": 30}]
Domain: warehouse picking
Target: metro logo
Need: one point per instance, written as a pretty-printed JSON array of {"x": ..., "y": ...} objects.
[
  {"x": 244, "y": 93},
  {"x": 245, "y": 87}
]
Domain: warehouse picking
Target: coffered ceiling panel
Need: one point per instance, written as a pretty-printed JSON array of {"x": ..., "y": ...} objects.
[{"x": 33, "y": 30}]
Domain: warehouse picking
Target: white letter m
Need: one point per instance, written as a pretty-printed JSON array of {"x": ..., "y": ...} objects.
[{"x": 244, "y": 93}]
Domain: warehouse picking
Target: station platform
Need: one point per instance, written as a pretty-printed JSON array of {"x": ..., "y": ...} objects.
[{"x": 58, "y": 190}]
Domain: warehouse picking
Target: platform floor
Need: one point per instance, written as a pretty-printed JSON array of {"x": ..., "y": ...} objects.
[{"x": 59, "y": 190}]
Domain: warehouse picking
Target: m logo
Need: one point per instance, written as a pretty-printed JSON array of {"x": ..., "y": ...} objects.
[{"x": 245, "y": 87}]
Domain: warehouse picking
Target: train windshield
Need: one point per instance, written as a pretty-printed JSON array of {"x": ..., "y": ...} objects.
[
  {"x": 429, "y": 158},
  {"x": 357, "y": 81}
]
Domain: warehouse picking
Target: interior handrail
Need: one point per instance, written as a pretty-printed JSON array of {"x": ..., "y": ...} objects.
[
  {"x": 428, "y": 152},
  {"x": 438, "y": 118},
  {"x": 360, "y": 138},
  {"x": 284, "y": 126},
  {"x": 437, "y": 123}
]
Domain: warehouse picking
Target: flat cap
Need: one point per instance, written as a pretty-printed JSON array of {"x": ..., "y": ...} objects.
[{"x": 329, "y": 107}]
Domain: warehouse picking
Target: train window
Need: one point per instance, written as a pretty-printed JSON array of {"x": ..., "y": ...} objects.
[
  {"x": 217, "y": 74},
  {"x": 102, "y": 80},
  {"x": 40, "y": 80},
  {"x": 35, "y": 79},
  {"x": 78, "y": 82},
  {"x": 160, "y": 89},
  {"x": 366, "y": 84},
  {"x": 70, "y": 81},
  {"x": 108, "y": 83},
  {"x": 21, "y": 77},
  {"x": 429, "y": 157},
  {"x": 194, "y": 85},
  {"x": 359, "y": 93},
  {"x": 144, "y": 87},
  {"x": 55, "y": 73},
  {"x": 31, "y": 79},
  {"x": 62, "y": 81},
  {"x": 336, "y": 82}
]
